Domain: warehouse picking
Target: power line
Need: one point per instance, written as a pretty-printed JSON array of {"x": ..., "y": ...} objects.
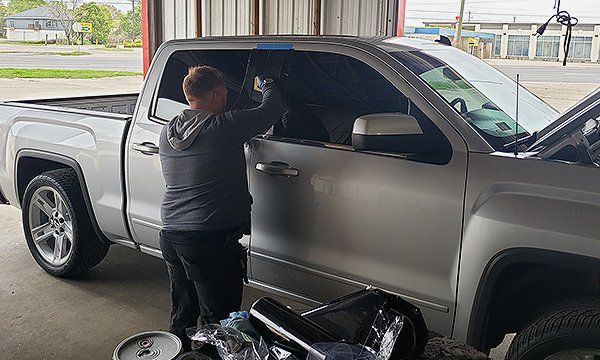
[{"x": 520, "y": 14}]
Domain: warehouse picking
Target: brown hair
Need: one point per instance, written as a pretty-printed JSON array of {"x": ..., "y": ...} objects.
[{"x": 200, "y": 80}]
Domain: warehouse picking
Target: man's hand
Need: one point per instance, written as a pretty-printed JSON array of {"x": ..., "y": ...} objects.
[{"x": 261, "y": 81}]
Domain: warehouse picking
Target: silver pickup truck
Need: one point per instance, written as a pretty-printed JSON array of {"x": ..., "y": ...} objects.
[{"x": 401, "y": 165}]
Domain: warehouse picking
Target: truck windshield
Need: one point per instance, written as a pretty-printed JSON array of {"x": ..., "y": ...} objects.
[{"x": 485, "y": 97}]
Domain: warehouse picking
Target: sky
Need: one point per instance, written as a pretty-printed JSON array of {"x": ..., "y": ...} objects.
[
  {"x": 417, "y": 11},
  {"x": 123, "y": 5}
]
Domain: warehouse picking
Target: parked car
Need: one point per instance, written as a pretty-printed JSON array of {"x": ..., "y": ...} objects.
[{"x": 422, "y": 184}]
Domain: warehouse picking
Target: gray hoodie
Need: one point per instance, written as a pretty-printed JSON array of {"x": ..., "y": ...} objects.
[
  {"x": 204, "y": 166},
  {"x": 183, "y": 129}
]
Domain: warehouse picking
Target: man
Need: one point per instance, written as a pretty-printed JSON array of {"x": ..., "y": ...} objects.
[{"x": 207, "y": 202}]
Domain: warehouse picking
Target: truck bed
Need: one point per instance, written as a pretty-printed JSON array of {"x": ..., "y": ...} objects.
[
  {"x": 87, "y": 131},
  {"x": 114, "y": 104}
]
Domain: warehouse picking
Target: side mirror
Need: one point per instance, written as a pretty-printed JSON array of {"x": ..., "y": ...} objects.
[{"x": 392, "y": 133}]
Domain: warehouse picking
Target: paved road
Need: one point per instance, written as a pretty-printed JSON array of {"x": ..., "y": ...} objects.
[
  {"x": 23, "y": 56},
  {"x": 572, "y": 73},
  {"x": 12, "y": 56}
]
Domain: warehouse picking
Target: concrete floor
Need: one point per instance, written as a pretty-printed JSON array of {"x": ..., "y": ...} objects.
[{"x": 43, "y": 317}]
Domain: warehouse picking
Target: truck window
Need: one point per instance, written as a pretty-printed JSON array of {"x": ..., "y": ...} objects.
[
  {"x": 170, "y": 99},
  {"x": 325, "y": 92}
]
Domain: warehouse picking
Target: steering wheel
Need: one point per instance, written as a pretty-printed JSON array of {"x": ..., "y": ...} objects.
[{"x": 462, "y": 102}]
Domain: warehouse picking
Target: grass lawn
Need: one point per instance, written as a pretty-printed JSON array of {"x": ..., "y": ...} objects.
[
  {"x": 9, "y": 42},
  {"x": 72, "y": 53},
  {"x": 61, "y": 53},
  {"x": 115, "y": 49},
  {"x": 12, "y": 73}
]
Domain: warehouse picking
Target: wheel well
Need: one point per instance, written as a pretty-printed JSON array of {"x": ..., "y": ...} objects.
[
  {"x": 31, "y": 163},
  {"x": 30, "y": 167},
  {"x": 521, "y": 287}
]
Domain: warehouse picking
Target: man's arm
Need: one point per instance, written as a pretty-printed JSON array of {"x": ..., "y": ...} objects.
[{"x": 242, "y": 125}]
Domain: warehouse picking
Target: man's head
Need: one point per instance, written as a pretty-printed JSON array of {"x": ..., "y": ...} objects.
[{"x": 204, "y": 88}]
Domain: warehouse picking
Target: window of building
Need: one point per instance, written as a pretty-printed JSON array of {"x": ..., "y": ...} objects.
[
  {"x": 497, "y": 45},
  {"x": 50, "y": 24},
  {"x": 518, "y": 45},
  {"x": 547, "y": 47},
  {"x": 581, "y": 48},
  {"x": 11, "y": 23}
]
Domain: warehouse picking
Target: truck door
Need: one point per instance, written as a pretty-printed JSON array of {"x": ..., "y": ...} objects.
[
  {"x": 328, "y": 220},
  {"x": 145, "y": 184}
]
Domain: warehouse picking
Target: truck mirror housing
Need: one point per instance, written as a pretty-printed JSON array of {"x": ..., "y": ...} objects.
[{"x": 392, "y": 133}]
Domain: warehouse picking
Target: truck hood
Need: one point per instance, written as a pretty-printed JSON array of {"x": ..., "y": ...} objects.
[{"x": 572, "y": 120}]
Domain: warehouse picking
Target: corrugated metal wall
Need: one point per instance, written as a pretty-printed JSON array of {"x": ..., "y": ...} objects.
[
  {"x": 355, "y": 17},
  {"x": 179, "y": 19},
  {"x": 219, "y": 17},
  {"x": 279, "y": 17},
  {"x": 287, "y": 17}
]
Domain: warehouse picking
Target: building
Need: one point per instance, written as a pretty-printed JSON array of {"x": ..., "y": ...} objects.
[
  {"x": 480, "y": 44},
  {"x": 164, "y": 20},
  {"x": 39, "y": 24},
  {"x": 519, "y": 40}
]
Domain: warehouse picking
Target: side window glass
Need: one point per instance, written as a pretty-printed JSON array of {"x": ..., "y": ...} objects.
[
  {"x": 328, "y": 92},
  {"x": 325, "y": 92},
  {"x": 170, "y": 99}
]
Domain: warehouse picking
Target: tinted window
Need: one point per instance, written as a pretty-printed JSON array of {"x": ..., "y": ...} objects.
[
  {"x": 325, "y": 92},
  {"x": 170, "y": 99}
]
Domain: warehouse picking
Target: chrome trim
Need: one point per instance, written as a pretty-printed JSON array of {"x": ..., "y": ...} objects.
[
  {"x": 127, "y": 243},
  {"x": 151, "y": 251},
  {"x": 412, "y": 299},
  {"x": 277, "y": 169},
  {"x": 146, "y": 223},
  {"x": 146, "y": 149}
]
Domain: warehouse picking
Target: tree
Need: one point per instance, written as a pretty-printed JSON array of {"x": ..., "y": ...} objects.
[
  {"x": 131, "y": 23},
  {"x": 17, "y": 6},
  {"x": 2, "y": 21},
  {"x": 101, "y": 18},
  {"x": 64, "y": 14},
  {"x": 117, "y": 35}
]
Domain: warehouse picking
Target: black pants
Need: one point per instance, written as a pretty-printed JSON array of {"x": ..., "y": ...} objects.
[{"x": 206, "y": 271}]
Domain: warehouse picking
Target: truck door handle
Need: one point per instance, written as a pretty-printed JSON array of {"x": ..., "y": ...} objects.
[
  {"x": 146, "y": 148},
  {"x": 277, "y": 168}
]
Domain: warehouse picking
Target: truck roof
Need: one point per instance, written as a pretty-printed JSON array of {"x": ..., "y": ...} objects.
[{"x": 388, "y": 43}]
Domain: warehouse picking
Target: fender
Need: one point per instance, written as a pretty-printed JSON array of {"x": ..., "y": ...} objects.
[
  {"x": 476, "y": 333},
  {"x": 65, "y": 160}
]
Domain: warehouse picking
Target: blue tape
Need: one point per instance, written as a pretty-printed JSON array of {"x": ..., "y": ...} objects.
[{"x": 274, "y": 46}]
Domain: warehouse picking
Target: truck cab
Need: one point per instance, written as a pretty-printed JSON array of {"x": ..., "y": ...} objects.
[{"x": 400, "y": 165}]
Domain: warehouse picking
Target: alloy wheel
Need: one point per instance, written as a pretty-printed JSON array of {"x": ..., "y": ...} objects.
[{"x": 51, "y": 225}]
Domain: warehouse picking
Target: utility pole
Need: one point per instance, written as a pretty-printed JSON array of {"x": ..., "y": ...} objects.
[
  {"x": 132, "y": 21},
  {"x": 457, "y": 35}
]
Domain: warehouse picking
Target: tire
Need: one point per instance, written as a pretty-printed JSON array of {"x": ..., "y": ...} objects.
[
  {"x": 53, "y": 212},
  {"x": 573, "y": 326}
]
